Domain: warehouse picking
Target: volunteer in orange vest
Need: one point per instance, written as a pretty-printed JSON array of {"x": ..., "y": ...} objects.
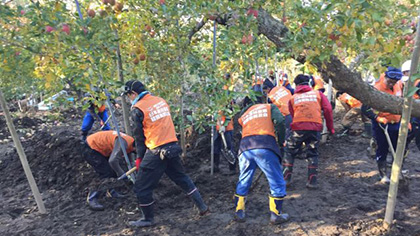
[
  {"x": 387, "y": 120},
  {"x": 352, "y": 106},
  {"x": 317, "y": 83},
  {"x": 280, "y": 96},
  {"x": 414, "y": 133},
  {"x": 103, "y": 152},
  {"x": 224, "y": 124},
  {"x": 262, "y": 133},
  {"x": 157, "y": 151},
  {"x": 306, "y": 107}
]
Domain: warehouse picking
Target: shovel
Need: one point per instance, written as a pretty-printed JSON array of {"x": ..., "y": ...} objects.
[
  {"x": 106, "y": 122},
  {"x": 127, "y": 174},
  {"x": 391, "y": 148},
  {"x": 226, "y": 153}
]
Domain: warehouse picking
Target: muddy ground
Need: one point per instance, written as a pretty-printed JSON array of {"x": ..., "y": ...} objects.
[{"x": 349, "y": 200}]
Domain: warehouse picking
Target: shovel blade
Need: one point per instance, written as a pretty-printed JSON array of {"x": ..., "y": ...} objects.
[{"x": 229, "y": 156}]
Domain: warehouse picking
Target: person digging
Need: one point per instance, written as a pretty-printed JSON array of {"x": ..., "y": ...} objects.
[
  {"x": 157, "y": 151},
  {"x": 383, "y": 123},
  {"x": 103, "y": 152},
  {"x": 261, "y": 125},
  {"x": 306, "y": 107}
]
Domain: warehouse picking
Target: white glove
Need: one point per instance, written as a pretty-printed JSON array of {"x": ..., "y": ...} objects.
[{"x": 222, "y": 129}]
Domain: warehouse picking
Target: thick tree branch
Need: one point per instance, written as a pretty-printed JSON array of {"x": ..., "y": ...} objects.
[
  {"x": 342, "y": 77},
  {"x": 197, "y": 28}
]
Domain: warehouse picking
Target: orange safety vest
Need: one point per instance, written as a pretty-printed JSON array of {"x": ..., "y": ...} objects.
[
  {"x": 415, "y": 96},
  {"x": 102, "y": 108},
  {"x": 257, "y": 121},
  {"x": 307, "y": 107},
  {"x": 381, "y": 86},
  {"x": 157, "y": 123},
  {"x": 103, "y": 141},
  {"x": 319, "y": 83},
  {"x": 351, "y": 101},
  {"x": 280, "y": 96}
]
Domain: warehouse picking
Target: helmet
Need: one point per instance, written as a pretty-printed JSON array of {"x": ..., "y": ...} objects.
[{"x": 406, "y": 66}]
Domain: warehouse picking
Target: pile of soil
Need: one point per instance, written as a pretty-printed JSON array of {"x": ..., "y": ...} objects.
[{"x": 349, "y": 200}]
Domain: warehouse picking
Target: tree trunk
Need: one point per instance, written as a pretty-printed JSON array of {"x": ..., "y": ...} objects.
[
  {"x": 402, "y": 138},
  {"x": 342, "y": 76}
]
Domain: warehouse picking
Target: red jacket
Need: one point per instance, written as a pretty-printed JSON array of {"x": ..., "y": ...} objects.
[{"x": 325, "y": 106}]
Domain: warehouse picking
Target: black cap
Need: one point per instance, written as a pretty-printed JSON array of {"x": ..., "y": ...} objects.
[
  {"x": 134, "y": 86},
  {"x": 302, "y": 79}
]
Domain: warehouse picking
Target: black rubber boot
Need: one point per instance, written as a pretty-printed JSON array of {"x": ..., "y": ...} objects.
[
  {"x": 287, "y": 173},
  {"x": 147, "y": 220},
  {"x": 93, "y": 201},
  {"x": 277, "y": 215},
  {"x": 312, "y": 177},
  {"x": 112, "y": 193},
  {"x": 199, "y": 203},
  {"x": 382, "y": 166}
]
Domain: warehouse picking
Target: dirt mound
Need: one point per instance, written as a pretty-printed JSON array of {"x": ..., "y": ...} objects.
[{"x": 349, "y": 200}]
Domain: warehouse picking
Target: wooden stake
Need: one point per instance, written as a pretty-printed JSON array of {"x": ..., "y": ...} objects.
[
  {"x": 402, "y": 137},
  {"x": 325, "y": 130},
  {"x": 213, "y": 129},
  {"x": 123, "y": 98},
  {"x": 22, "y": 156}
]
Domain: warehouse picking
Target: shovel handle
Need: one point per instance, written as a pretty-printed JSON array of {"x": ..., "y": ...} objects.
[{"x": 129, "y": 172}]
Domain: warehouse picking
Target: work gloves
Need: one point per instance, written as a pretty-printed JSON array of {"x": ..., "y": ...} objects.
[
  {"x": 138, "y": 162},
  {"x": 222, "y": 129},
  {"x": 382, "y": 120}
]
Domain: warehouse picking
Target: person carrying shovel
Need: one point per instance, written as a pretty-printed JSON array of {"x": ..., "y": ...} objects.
[
  {"x": 383, "y": 123},
  {"x": 157, "y": 151},
  {"x": 223, "y": 140},
  {"x": 262, "y": 133}
]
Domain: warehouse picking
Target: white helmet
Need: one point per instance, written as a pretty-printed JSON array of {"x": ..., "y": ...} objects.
[{"x": 406, "y": 66}]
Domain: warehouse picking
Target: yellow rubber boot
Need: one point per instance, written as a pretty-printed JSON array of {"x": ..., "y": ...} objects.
[
  {"x": 277, "y": 216},
  {"x": 240, "y": 208}
]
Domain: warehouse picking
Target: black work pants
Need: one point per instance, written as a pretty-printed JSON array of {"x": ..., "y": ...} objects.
[{"x": 151, "y": 170}]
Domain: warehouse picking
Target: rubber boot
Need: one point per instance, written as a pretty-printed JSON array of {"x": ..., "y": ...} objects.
[
  {"x": 367, "y": 133},
  {"x": 112, "y": 193},
  {"x": 147, "y": 219},
  {"x": 382, "y": 172},
  {"x": 240, "y": 208},
  {"x": 312, "y": 177},
  {"x": 199, "y": 203},
  {"x": 277, "y": 215},
  {"x": 372, "y": 148},
  {"x": 93, "y": 201},
  {"x": 287, "y": 173}
]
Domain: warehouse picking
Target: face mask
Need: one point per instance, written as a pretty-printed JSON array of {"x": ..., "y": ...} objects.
[{"x": 404, "y": 78}]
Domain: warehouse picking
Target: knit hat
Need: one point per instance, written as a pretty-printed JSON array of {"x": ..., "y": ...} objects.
[
  {"x": 302, "y": 79},
  {"x": 393, "y": 73}
]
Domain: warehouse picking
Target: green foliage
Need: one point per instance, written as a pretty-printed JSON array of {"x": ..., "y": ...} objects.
[{"x": 156, "y": 49}]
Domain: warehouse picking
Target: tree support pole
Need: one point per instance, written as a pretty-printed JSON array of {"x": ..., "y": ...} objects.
[
  {"x": 213, "y": 129},
  {"x": 22, "y": 156},
  {"x": 108, "y": 102},
  {"x": 123, "y": 99},
  {"x": 402, "y": 137},
  {"x": 325, "y": 130}
]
